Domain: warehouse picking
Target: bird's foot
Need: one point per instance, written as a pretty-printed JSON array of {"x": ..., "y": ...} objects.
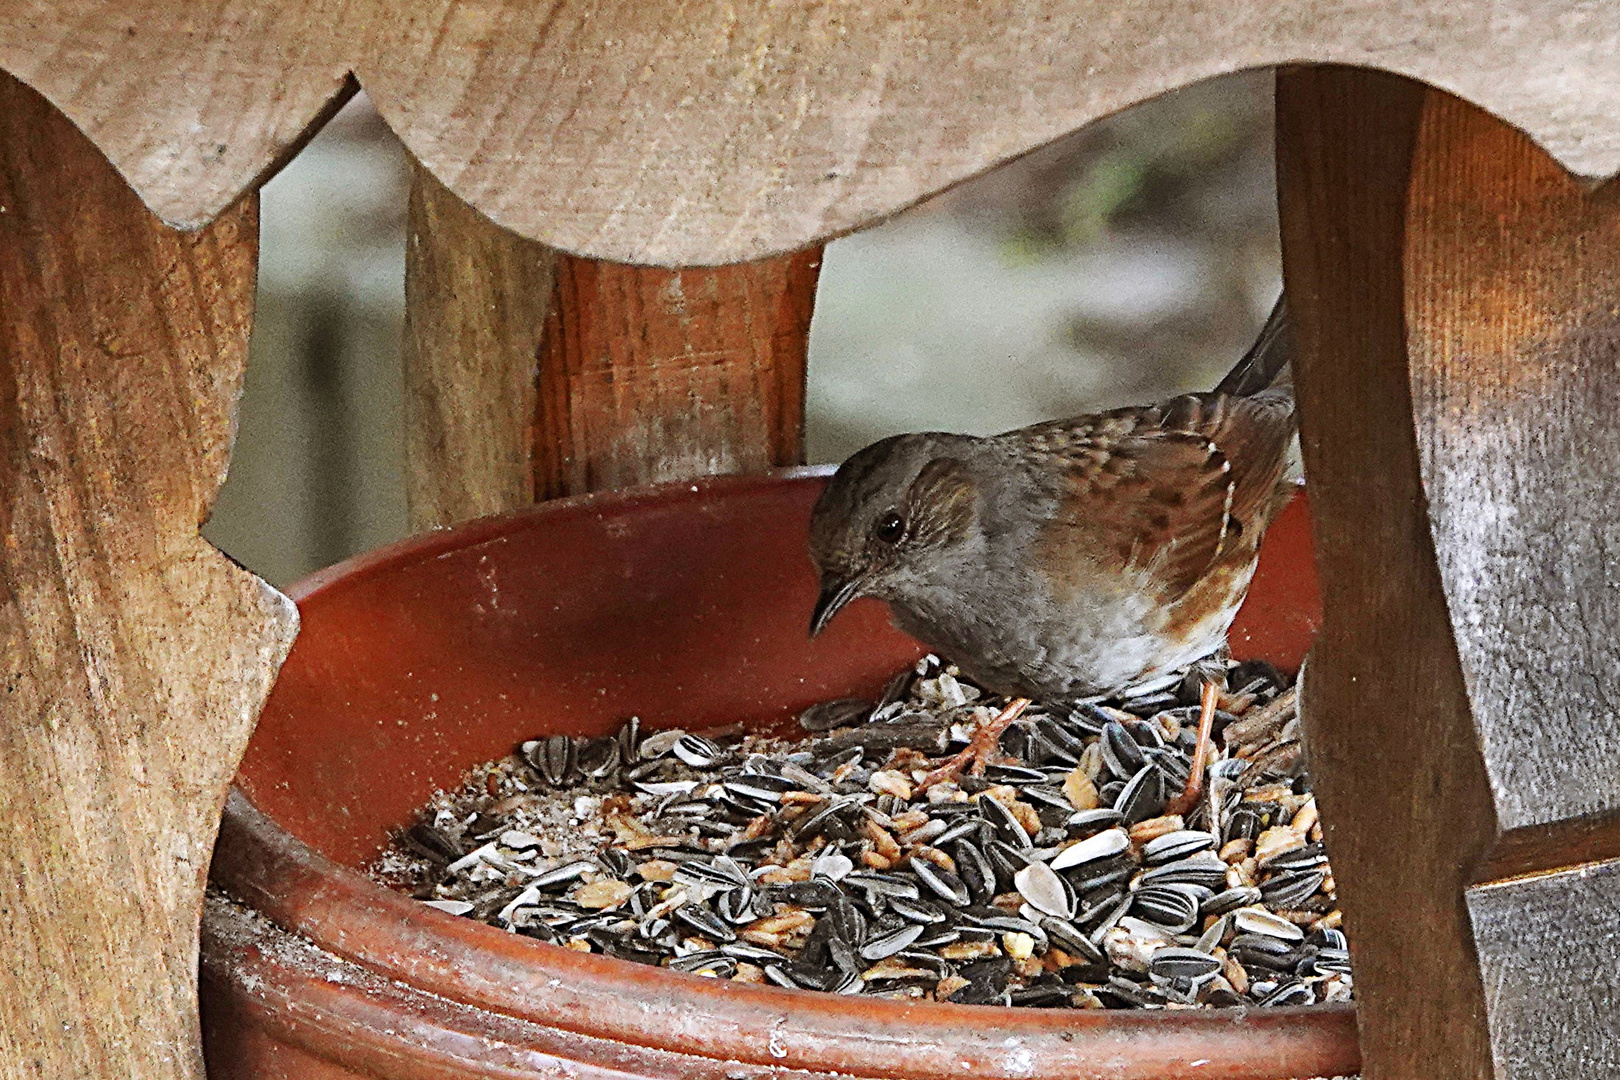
[
  {"x": 1188, "y": 798},
  {"x": 985, "y": 745}
]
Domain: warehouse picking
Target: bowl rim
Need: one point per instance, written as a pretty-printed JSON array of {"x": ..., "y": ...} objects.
[{"x": 346, "y": 914}]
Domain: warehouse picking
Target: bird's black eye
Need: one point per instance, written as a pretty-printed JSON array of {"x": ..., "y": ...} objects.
[{"x": 889, "y": 528}]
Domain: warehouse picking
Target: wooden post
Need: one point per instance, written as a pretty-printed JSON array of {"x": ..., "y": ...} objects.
[
  {"x": 1457, "y": 301},
  {"x": 534, "y": 374},
  {"x": 133, "y": 655},
  {"x": 653, "y": 375},
  {"x": 475, "y": 305}
]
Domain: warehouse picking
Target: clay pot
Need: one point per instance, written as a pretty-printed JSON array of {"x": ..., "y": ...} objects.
[{"x": 684, "y": 604}]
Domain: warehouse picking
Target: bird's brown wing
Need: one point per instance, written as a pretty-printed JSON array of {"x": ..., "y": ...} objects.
[{"x": 1144, "y": 486}]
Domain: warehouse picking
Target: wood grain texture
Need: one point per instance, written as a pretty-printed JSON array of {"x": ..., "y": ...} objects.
[
  {"x": 194, "y": 103},
  {"x": 1514, "y": 311},
  {"x": 475, "y": 308},
  {"x": 699, "y": 133},
  {"x": 1458, "y": 299},
  {"x": 656, "y": 375},
  {"x": 134, "y": 656},
  {"x": 1392, "y": 752},
  {"x": 1548, "y": 961}
]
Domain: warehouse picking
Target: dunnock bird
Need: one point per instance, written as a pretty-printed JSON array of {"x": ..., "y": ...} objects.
[{"x": 1075, "y": 557}]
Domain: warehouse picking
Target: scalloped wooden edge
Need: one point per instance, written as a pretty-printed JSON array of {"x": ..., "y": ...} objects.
[{"x": 703, "y": 134}]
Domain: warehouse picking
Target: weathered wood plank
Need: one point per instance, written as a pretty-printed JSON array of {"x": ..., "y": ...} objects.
[
  {"x": 1552, "y": 984},
  {"x": 194, "y": 103},
  {"x": 655, "y": 375},
  {"x": 1405, "y": 801},
  {"x": 700, "y": 133},
  {"x": 134, "y": 656},
  {"x": 1459, "y": 310},
  {"x": 1514, "y": 310},
  {"x": 475, "y": 307}
]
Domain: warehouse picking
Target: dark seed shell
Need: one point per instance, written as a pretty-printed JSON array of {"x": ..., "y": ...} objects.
[
  {"x": 705, "y": 922},
  {"x": 1142, "y": 796},
  {"x": 1204, "y": 869},
  {"x": 845, "y": 712},
  {"x": 564, "y": 874},
  {"x": 1170, "y": 908},
  {"x": 1230, "y": 900},
  {"x": 1179, "y": 963},
  {"x": 944, "y": 884},
  {"x": 884, "y": 945},
  {"x": 1176, "y": 845},
  {"x": 1121, "y": 753},
  {"x": 696, "y": 751},
  {"x": 1293, "y": 992},
  {"x": 1289, "y": 890},
  {"x": 1007, "y": 828}
]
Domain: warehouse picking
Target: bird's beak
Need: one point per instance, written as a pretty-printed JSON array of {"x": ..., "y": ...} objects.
[{"x": 834, "y": 595}]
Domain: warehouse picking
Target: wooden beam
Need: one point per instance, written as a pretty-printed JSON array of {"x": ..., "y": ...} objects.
[
  {"x": 1457, "y": 299},
  {"x": 476, "y": 298},
  {"x": 133, "y": 655},
  {"x": 655, "y": 375}
]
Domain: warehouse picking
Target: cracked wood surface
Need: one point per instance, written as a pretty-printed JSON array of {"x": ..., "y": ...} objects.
[
  {"x": 134, "y": 655},
  {"x": 1457, "y": 299},
  {"x": 695, "y": 133}
]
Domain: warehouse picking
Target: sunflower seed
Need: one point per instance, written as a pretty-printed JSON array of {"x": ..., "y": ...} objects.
[
  {"x": 707, "y": 962},
  {"x": 564, "y": 874},
  {"x": 1167, "y": 907},
  {"x": 1082, "y": 822},
  {"x": 1179, "y": 963},
  {"x": 1103, "y": 845},
  {"x": 1230, "y": 900},
  {"x": 1007, "y": 828},
  {"x": 845, "y": 712},
  {"x": 890, "y": 942},
  {"x": 943, "y": 883},
  {"x": 1204, "y": 868},
  {"x": 1142, "y": 797},
  {"x": 1293, "y": 992},
  {"x": 1045, "y": 891},
  {"x": 450, "y": 907},
  {"x": 1121, "y": 753},
  {"x": 705, "y": 922},
  {"x": 659, "y": 743},
  {"x": 822, "y": 865},
  {"x": 1252, "y": 920},
  {"x": 1176, "y": 845},
  {"x": 1291, "y": 889}
]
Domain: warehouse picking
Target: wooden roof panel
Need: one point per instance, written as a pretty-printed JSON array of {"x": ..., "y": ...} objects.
[{"x": 707, "y": 132}]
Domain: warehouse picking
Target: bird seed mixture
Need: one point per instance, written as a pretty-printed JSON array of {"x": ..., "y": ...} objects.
[{"x": 1054, "y": 880}]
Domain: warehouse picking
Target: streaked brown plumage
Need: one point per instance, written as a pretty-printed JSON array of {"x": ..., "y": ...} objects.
[{"x": 1073, "y": 557}]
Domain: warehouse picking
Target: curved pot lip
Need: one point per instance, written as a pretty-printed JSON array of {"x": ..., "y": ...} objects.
[
  {"x": 349, "y": 915},
  {"x": 470, "y": 533}
]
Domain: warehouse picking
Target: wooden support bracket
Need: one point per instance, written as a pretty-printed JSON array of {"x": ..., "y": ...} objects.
[
  {"x": 1457, "y": 301},
  {"x": 133, "y": 655}
]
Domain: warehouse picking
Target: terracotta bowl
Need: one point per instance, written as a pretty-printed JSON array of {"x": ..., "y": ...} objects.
[{"x": 684, "y": 604}]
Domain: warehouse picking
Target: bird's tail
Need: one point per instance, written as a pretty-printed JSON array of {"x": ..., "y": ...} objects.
[{"x": 1268, "y": 362}]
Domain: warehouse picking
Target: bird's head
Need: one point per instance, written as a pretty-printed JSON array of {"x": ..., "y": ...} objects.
[{"x": 890, "y": 518}]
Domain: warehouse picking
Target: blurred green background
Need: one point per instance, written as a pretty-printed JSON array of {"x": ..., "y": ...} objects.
[{"x": 1133, "y": 259}]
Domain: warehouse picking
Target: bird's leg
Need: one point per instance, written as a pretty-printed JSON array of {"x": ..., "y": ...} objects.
[
  {"x": 1206, "y": 723},
  {"x": 985, "y": 743}
]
